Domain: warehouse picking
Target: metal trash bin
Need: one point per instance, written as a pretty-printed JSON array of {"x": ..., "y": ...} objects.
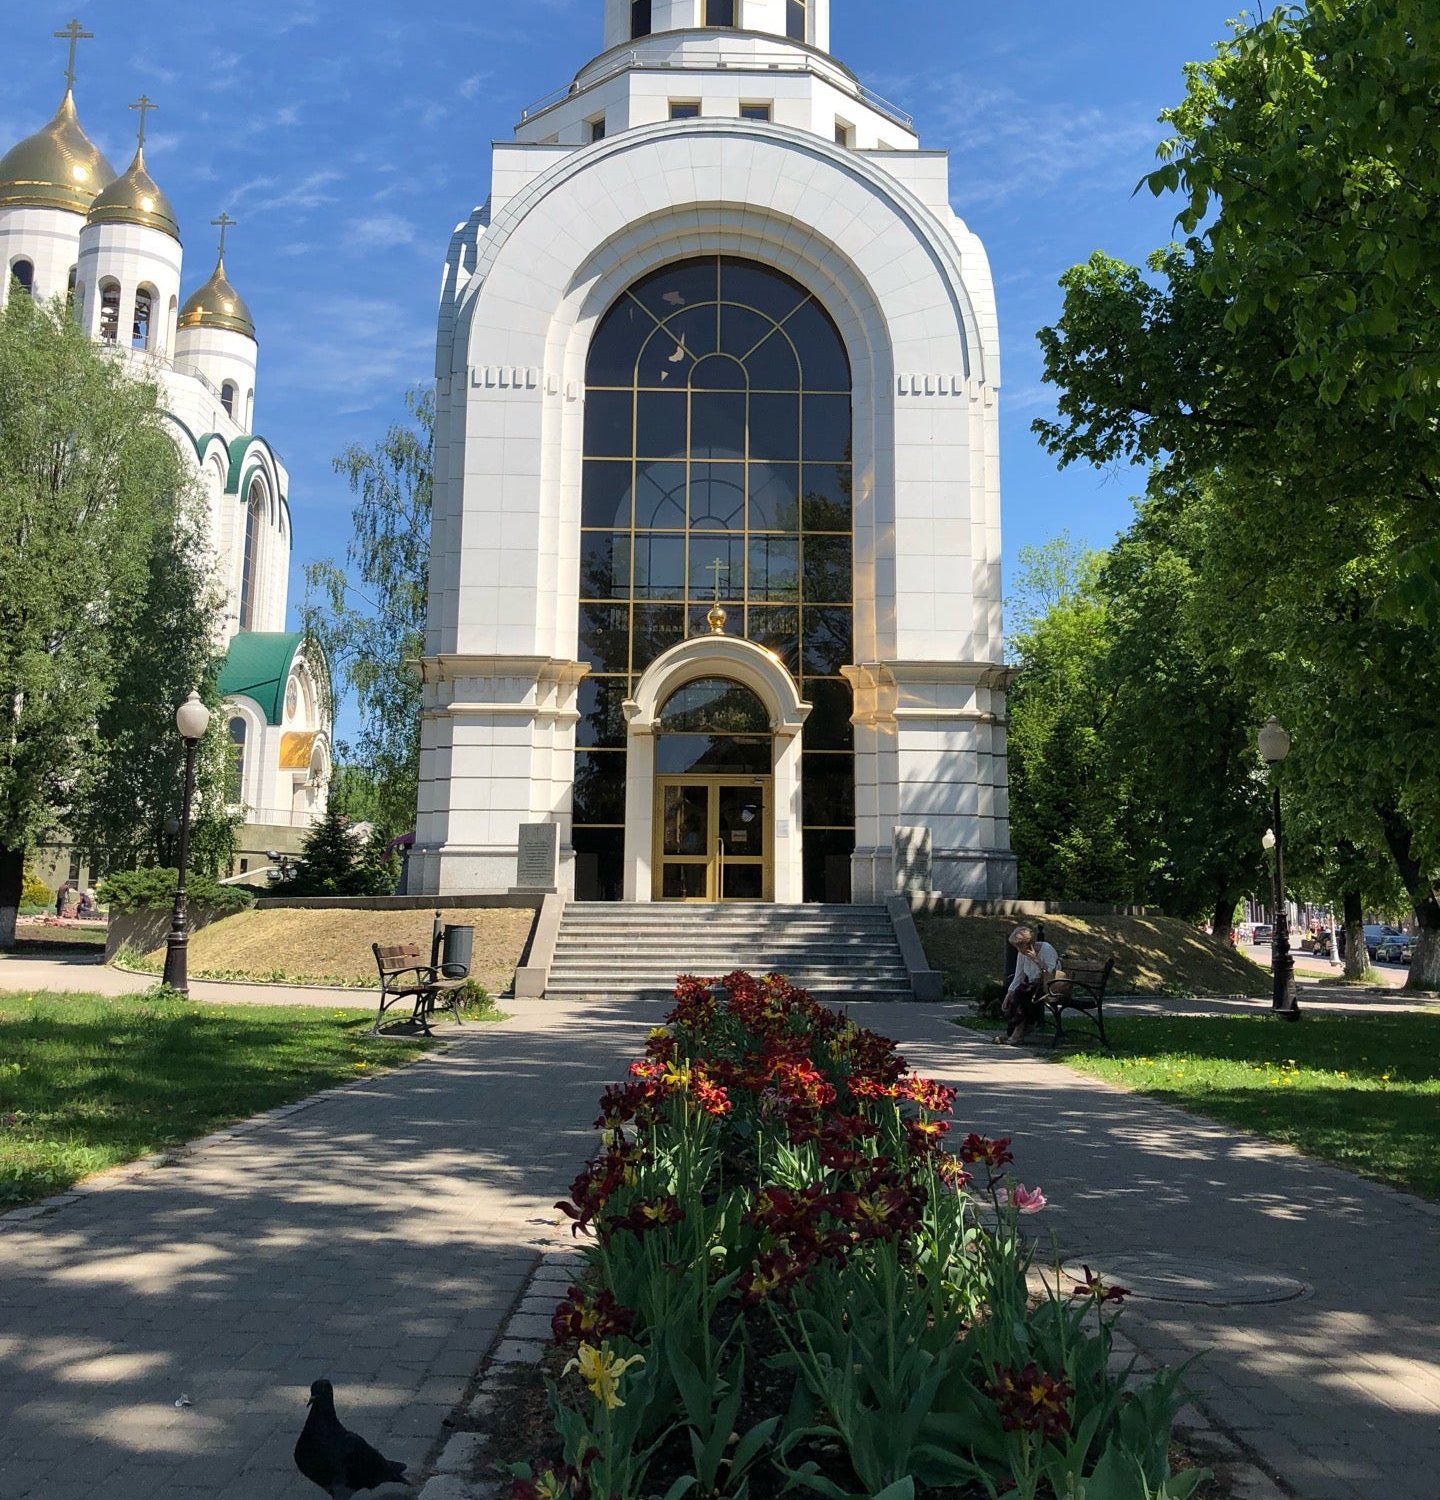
[{"x": 457, "y": 949}]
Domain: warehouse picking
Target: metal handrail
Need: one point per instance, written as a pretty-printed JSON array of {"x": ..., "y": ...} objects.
[{"x": 736, "y": 61}]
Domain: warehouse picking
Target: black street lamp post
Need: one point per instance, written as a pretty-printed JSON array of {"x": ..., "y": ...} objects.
[
  {"x": 1274, "y": 747},
  {"x": 192, "y": 719}
]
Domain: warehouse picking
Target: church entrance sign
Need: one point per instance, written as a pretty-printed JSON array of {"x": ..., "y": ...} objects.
[{"x": 713, "y": 839}]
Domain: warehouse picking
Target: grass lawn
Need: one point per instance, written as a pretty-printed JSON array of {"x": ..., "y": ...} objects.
[
  {"x": 1153, "y": 955},
  {"x": 34, "y": 937},
  {"x": 88, "y": 1081},
  {"x": 324, "y": 946},
  {"x": 1360, "y": 1091}
]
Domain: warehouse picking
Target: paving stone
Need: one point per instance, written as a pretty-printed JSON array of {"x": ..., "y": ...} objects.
[
  {"x": 519, "y": 1352},
  {"x": 447, "y": 1487},
  {"x": 529, "y": 1326},
  {"x": 460, "y": 1453}
]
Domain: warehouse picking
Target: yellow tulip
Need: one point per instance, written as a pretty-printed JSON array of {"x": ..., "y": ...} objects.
[{"x": 601, "y": 1371}]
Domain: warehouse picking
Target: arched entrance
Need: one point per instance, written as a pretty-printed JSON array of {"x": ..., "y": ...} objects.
[
  {"x": 714, "y": 761},
  {"x": 713, "y": 777}
]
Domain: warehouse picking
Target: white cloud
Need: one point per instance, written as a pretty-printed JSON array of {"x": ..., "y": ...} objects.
[{"x": 363, "y": 236}]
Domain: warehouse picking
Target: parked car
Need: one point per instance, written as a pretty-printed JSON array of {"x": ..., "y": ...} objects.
[
  {"x": 1263, "y": 933},
  {"x": 1395, "y": 948},
  {"x": 1374, "y": 931}
]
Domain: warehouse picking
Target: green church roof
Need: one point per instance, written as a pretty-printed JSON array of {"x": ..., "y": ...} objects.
[{"x": 258, "y": 666}]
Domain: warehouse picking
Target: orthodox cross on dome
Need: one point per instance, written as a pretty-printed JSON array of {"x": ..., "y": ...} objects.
[
  {"x": 73, "y": 33},
  {"x": 144, "y": 105},
  {"x": 223, "y": 223}
]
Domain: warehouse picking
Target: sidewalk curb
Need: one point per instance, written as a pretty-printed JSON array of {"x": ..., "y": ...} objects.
[{"x": 522, "y": 1339}]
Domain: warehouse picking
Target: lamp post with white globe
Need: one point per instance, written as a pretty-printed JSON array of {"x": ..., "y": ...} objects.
[
  {"x": 192, "y": 719},
  {"x": 1274, "y": 747}
]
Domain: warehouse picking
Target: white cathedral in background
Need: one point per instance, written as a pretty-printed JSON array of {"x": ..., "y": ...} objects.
[
  {"x": 71, "y": 227},
  {"x": 715, "y": 567}
]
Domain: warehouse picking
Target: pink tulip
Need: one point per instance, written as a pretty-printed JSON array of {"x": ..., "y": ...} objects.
[{"x": 1027, "y": 1200}]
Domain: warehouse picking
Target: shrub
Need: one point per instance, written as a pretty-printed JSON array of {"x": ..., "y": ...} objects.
[
  {"x": 153, "y": 889},
  {"x": 34, "y": 891},
  {"x": 334, "y": 862}
]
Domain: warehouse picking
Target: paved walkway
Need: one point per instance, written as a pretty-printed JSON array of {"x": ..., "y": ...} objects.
[
  {"x": 1338, "y": 1393},
  {"x": 378, "y": 1236},
  {"x": 84, "y": 972},
  {"x": 380, "y": 1233}
]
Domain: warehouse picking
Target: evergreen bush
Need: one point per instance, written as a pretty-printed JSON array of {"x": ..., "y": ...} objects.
[{"x": 153, "y": 889}]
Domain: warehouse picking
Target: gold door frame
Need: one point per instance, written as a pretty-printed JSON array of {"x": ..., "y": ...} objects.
[{"x": 716, "y": 857}]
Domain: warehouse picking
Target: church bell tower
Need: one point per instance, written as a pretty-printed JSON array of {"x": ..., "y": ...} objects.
[{"x": 804, "y": 21}]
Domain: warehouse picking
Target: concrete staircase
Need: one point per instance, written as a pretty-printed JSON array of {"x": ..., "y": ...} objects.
[{"x": 638, "y": 949}]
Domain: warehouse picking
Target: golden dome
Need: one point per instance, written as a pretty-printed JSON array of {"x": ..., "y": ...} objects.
[
  {"x": 217, "y": 305},
  {"x": 133, "y": 198},
  {"x": 57, "y": 167}
]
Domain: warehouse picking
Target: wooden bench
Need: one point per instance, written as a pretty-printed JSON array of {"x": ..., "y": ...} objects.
[
  {"x": 403, "y": 977},
  {"x": 1079, "y": 986}
]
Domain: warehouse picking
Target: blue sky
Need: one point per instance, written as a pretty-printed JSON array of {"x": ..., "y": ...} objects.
[{"x": 347, "y": 137}]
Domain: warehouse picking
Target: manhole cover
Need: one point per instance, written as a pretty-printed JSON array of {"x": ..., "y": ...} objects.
[{"x": 1188, "y": 1279}]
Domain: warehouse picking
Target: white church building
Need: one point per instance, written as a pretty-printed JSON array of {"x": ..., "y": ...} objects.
[
  {"x": 715, "y": 570},
  {"x": 71, "y": 227}
]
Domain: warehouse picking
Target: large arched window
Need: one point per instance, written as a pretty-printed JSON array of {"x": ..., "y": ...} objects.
[
  {"x": 229, "y": 392},
  {"x": 22, "y": 276},
  {"x": 109, "y": 310},
  {"x": 717, "y": 458},
  {"x": 796, "y": 19},
  {"x": 250, "y": 562},
  {"x": 640, "y": 19},
  {"x": 720, "y": 12},
  {"x": 143, "y": 329}
]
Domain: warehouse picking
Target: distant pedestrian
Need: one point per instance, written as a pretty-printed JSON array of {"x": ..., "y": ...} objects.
[{"x": 61, "y": 897}]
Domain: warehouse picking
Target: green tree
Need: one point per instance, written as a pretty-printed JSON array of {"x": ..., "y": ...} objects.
[
  {"x": 336, "y": 861},
  {"x": 1067, "y": 811},
  {"x": 1181, "y": 726},
  {"x": 369, "y": 629},
  {"x": 169, "y": 649},
  {"x": 85, "y": 455},
  {"x": 1279, "y": 367}
]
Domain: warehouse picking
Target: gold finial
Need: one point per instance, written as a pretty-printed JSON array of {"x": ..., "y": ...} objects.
[
  {"x": 223, "y": 223},
  {"x": 717, "y": 616},
  {"x": 144, "y": 105},
  {"x": 74, "y": 34}
]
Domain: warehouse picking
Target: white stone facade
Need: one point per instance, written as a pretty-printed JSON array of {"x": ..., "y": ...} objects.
[{"x": 575, "y": 218}]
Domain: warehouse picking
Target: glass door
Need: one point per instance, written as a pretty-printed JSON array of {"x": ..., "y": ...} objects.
[{"x": 712, "y": 839}]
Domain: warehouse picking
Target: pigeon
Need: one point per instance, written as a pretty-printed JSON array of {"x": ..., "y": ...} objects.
[{"x": 341, "y": 1462}]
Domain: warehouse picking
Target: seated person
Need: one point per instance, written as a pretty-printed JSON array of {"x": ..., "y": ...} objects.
[{"x": 1035, "y": 964}]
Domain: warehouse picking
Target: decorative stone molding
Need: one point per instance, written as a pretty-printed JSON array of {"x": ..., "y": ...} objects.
[
  {"x": 718, "y": 656},
  {"x": 503, "y": 377}
]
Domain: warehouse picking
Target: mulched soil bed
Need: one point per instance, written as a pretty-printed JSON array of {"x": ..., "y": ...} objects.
[{"x": 518, "y": 1429}]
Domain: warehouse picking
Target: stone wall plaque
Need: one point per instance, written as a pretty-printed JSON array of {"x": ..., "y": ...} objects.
[
  {"x": 538, "y": 857},
  {"x": 913, "y": 862}
]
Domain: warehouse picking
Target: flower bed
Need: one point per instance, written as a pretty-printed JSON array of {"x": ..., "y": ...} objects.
[{"x": 794, "y": 1286}]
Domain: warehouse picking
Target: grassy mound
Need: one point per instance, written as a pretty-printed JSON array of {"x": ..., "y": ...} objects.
[
  {"x": 1153, "y": 955},
  {"x": 333, "y": 947}
]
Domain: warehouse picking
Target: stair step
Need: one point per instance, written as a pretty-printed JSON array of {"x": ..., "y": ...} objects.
[{"x": 638, "y": 949}]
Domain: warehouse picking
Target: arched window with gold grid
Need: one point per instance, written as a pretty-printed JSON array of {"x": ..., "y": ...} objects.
[{"x": 717, "y": 454}]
